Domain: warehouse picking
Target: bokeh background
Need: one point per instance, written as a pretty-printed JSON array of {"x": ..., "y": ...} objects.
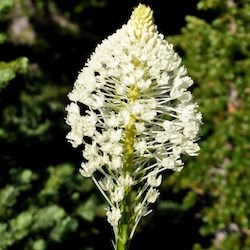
[{"x": 45, "y": 203}]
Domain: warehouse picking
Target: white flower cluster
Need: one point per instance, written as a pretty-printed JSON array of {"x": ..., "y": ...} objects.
[{"x": 131, "y": 110}]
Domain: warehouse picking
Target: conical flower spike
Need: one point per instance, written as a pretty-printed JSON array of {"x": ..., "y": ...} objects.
[{"x": 137, "y": 121}]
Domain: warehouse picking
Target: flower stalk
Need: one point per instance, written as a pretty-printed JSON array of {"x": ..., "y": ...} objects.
[
  {"x": 123, "y": 239},
  {"x": 138, "y": 119}
]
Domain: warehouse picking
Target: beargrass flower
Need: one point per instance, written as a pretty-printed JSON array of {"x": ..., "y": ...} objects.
[{"x": 132, "y": 112}]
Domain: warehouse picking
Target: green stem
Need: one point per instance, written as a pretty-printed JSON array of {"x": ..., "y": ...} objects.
[{"x": 123, "y": 239}]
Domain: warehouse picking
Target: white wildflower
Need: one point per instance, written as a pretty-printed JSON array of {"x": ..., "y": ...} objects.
[
  {"x": 126, "y": 181},
  {"x": 191, "y": 148},
  {"x": 118, "y": 194},
  {"x": 113, "y": 216},
  {"x": 134, "y": 115},
  {"x": 153, "y": 180},
  {"x": 112, "y": 120},
  {"x": 115, "y": 163},
  {"x": 106, "y": 183},
  {"x": 152, "y": 195},
  {"x": 87, "y": 169},
  {"x": 141, "y": 147},
  {"x": 140, "y": 127},
  {"x": 90, "y": 151}
]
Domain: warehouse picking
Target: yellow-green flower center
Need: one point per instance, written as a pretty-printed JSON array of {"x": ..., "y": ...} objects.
[{"x": 130, "y": 131}]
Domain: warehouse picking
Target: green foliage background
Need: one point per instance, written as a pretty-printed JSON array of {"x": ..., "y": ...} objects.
[{"x": 45, "y": 203}]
